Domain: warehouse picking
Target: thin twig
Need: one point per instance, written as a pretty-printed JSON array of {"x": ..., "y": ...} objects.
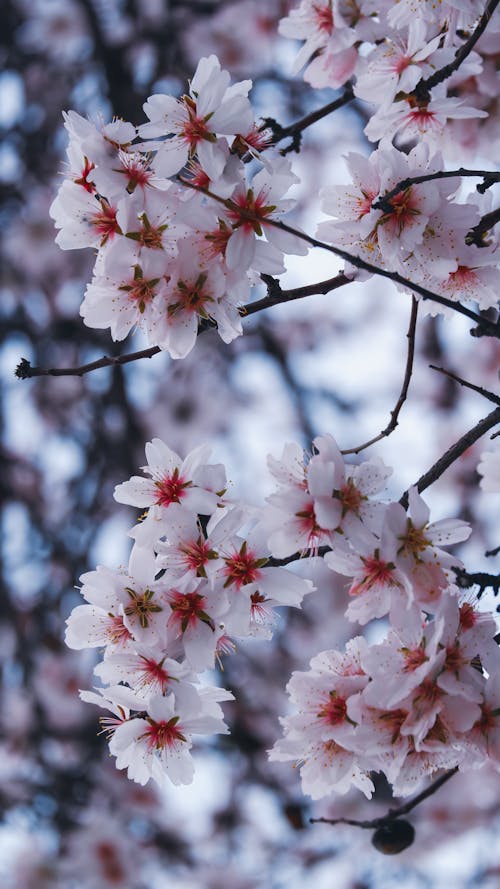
[
  {"x": 25, "y": 371},
  {"x": 424, "y": 87},
  {"x": 484, "y": 392},
  {"x": 482, "y": 579},
  {"x": 453, "y": 453},
  {"x": 477, "y": 233},
  {"x": 393, "y": 422},
  {"x": 294, "y": 131},
  {"x": 492, "y": 552},
  {"x": 384, "y": 202},
  {"x": 392, "y": 814}
]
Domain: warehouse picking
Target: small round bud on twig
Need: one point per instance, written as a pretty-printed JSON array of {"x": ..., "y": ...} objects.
[{"x": 394, "y": 837}]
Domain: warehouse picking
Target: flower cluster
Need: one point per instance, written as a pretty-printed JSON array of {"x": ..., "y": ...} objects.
[
  {"x": 205, "y": 571},
  {"x": 390, "y": 50},
  {"x": 428, "y": 696},
  {"x": 419, "y": 231},
  {"x": 168, "y": 256},
  {"x": 193, "y": 584}
]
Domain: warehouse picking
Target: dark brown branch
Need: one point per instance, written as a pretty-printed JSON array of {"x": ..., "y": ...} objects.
[
  {"x": 477, "y": 233},
  {"x": 453, "y": 453},
  {"x": 482, "y": 579},
  {"x": 492, "y": 552},
  {"x": 484, "y": 392},
  {"x": 489, "y": 328},
  {"x": 393, "y": 422},
  {"x": 294, "y": 131},
  {"x": 424, "y": 87},
  {"x": 24, "y": 370},
  {"x": 392, "y": 814},
  {"x": 276, "y": 295},
  {"x": 384, "y": 202}
]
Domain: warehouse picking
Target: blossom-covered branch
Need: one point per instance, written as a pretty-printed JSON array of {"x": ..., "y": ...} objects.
[
  {"x": 423, "y": 88},
  {"x": 275, "y": 297},
  {"x": 384, "y": 202}
]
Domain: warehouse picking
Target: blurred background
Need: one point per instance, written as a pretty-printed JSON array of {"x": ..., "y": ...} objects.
[{"x": 331, "y": 363}]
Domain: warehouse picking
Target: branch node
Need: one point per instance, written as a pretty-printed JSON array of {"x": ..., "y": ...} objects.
[{"x": 24, "y": 371}]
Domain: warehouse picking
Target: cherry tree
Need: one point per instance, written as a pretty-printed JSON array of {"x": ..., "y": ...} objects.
[{"x": 338, "y": 576}]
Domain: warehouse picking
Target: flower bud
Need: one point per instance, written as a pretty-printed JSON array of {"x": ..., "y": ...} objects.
[{"x": 393, "y": 837}]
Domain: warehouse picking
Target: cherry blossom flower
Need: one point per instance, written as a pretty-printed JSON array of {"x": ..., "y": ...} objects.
[
  {"x": 249, "y": 212},
  {"x": 377, "y": 582},
  {"x": 195, "y": 292},
  {"x": 190, "y": 484},
  {"x": 212, "y": 108},
  {"x": 158, "y": 746},
  {"x": 397, "y": 64},
  {"x": 84, "y": 219},
  {"x": 423, "y": 119},
  {"x": 418, "y": 555},
  {"x": 127, "y": 302},
  {"x": 195, "y": 620}
]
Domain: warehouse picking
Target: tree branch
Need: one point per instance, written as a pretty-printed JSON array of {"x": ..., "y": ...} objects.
[
  {"x": 484, "y": 392},
  {"x": 393, "y": 422},
  {"x": 276, "y": 295},
  {"x": 492, "y": 552},
  {"x": 477, "y": 233},
  {"x": 453, "y": 453},
  {"x": 392, "y": 814},
  {"x": 384, "y": 202},
  {"x": 424, "y": 87},
  {"x": 482, "y": 579},
  {"x": 295, "y": 130}
]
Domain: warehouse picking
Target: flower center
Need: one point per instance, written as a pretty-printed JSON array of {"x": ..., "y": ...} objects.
[
  {"x": 454, "y": 658},
  {"x": 334, "y": 711},
  {"x": 414, "y": 541},
  {"x": 242, "y": 568},
  {"x": 88, "y": 166},
  {"x": 259, "y": 611},
  {"x": 187, "y": 609},
  {"x": 192, "y": 297},
  {"x": 250, "y": 210},
  {"x": 105, "y": 222},
  {"x": 323, "y": 16},
  {"x": 171, "y": 489},
  {"x": 402, "y": 212},
  {"x": 139, "y": 290},
  {"x": 414, "y": 658},
  {"x": 116, "y": 631},
  {"x": 153, "y": 673},
  {"x": 164, "y": 734},
  {"x": 141, "y": 606},
  {"x": 378, "y": 573},
  {"x": 195, "y": 128},
  {"x": 196, "y": 554},
  {"x": 350, "y": 497},
  {"x": 468, "y": 616}
]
